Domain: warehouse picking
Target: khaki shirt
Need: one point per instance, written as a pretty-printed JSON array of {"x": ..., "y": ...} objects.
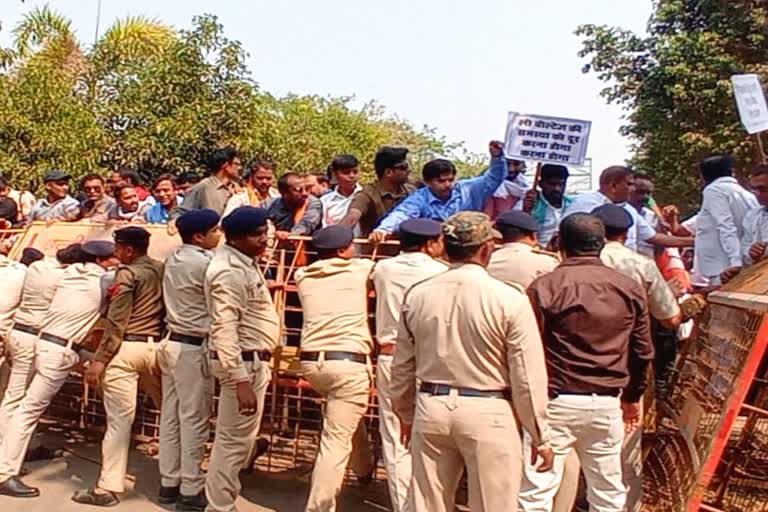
[
  {"x": 334, "y": 299},
  {"x": 183, "y": 291},
  {"x": 391, "y": 279},
  {"x": 39, "y": 287},
  {"x": 209, "y": 193},
  {"x": 447, "y": 336},
  {"x": 520, "y": 263},
  {"x": 77, "y": 302},
  {"x": 243, "y": 316},
  {"x": 135, "y": 305},
  {"x": 12, "y": 278},
  {"x": 662, "y": 303}
]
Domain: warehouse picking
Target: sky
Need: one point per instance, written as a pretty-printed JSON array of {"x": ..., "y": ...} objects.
[{"x": 456, "y": 65}]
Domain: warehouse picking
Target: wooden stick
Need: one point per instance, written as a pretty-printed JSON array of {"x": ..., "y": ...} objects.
[
  {"x": 537, "y": 176},
  {"x": 760, "y": 147}
]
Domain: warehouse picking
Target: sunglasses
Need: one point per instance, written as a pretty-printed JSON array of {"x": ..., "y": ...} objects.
[{"x": 92, "y": 189}]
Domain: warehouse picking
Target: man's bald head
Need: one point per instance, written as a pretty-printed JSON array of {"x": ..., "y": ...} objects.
[
  {"x": 581, "y": 234},
  {"x": 616, "y": 182}
]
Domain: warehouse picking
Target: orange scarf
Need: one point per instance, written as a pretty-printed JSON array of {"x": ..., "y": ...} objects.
[{"x": 301, "y": 255}]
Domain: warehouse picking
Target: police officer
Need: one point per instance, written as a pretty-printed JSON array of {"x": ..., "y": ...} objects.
[
  {"x": 128, "y": 352},
  {"x": 244, "y": 331},
  {"x": 183, "y": 358},
  {"x": 421, "y": 243},
  {"x": 335, "y": 357},
  {"x": 74, "y": 309},
  {"x": 520, "y": 260},
  {"x": 12, "y": 276},
  {"x": 477, "y": 372}
]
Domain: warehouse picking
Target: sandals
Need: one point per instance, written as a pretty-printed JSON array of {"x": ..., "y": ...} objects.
[{"x": 91, "y": 497}]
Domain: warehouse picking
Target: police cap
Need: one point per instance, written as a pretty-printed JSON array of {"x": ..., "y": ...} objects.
[
  {"x": 426, "y": 228},
  {"x": 243, "y": 221},
  {"x": 517, "y": 219},
  {"x": 196, "y": 221},
  {"x": 332, "y": 238},
  {"x": 613, "y": 216},
  {"x": 132, "y": 235},
  {"x": 98, "y": 248}
]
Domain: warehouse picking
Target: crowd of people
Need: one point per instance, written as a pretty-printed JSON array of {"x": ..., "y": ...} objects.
[{"x": 510, "y": 305}]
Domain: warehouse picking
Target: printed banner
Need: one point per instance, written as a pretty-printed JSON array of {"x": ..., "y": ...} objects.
[{"x": 547, "y": 139}]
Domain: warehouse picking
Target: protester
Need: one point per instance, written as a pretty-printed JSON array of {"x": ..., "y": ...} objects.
[
  {"x": 113, "y": 180},
  {"x": 295, "y": 212},
  {"x": 519, "y": 260},
  {"x": 345, "y": 171},
  {"x": 548, "y": 206},
  {"x": 720, "y": 222},
  {"x": 376, "y": 200},
  {"x": 594, "y": 324},
  {"x": 166, "y": 199},
  {"x": 444, "y": 196},
  {"x": 511, "y": 192},
  {"x": 616, "y": 183},
  {"x": 97, "y": 204},
  {"x": 755, "y": 238},
  {"x": 317, "y": 184},
  {"x": 258, "y": 187},
  {"x": 477, "y": 374},
  {"x": 421, "y": 245},
  {"x": 58, "y": 205},
  {"x": 9, "y": 210},
  {"x": 132, "y": 178},
  {"x": 185, "y": 181},
  {"x": 214, "y": 191},
  {"x": 640, "y": 198},
  {"x": 24, "y": 200},
  {"x": 128, "y": 206}
]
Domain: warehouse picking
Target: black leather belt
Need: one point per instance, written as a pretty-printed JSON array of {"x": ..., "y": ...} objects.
[
  {"x": 444, "y": 389},
  {"x": 58, "y": 340},
  {"x": 26, "y": 328},
  {"x": 605, "y": 392},
  {"x": 184, "y": 338},
  {"x": 248, "y": 355},
  {"x": 334, "y": 355},
  {"x": 144, "y": 338}
]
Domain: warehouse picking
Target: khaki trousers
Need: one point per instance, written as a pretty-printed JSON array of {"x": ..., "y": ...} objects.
[
  {"x": 631, "y": 469},
  {"x": 21, "y": 357},
  {"x": 397, "y": 458},
  {"x": 235, "y": 435},
  {"x": 451, "y": 432},
  {"x": 120, "y": 385},
  {"x": 346, "y": 387},
  {"x": 185, "y": 415},
  {"x": 52, "y": 366},
  {"x": 593, "y": 427}
]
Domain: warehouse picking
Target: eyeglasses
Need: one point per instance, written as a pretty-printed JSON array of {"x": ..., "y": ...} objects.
[{"x": 92, "y": 189}]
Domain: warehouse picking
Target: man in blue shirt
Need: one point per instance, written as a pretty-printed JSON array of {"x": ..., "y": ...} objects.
[
  {"x": 443, "y": 196},
  {"x": 166, "y": 197}
]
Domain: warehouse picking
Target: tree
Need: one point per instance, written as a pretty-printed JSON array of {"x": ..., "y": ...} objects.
[
  {"x": 675, "y": 86},
  {"x": 156, "y": 100}
]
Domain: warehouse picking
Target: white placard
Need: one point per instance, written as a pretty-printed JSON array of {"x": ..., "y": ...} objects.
[
  {"x": 547, "y": 139},
  {"x": 750, "y": 100}
]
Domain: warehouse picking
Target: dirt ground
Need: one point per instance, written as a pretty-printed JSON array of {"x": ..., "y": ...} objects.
[{"x": 79, "y": 467}]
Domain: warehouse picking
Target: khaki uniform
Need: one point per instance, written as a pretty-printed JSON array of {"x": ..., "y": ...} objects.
[
  {"x": 392, "y": 278},
  {"x": 334, "y": 300},
  {"x": 187, "y": 386},
  {"x": 521, "y": 263},
  {"x": 243, "y": 323},
  {"x": 134, "y": 323},
  {"x": 446, "y": 337},
  {"x": 74, "y": 310},
  {"x": 662, "y": 305},
  {"x": 14, "y": 345}
]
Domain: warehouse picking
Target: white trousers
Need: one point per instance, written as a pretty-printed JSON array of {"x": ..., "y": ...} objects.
[
  {"x": 185, "y": 415},
  {"x": 52, "y": 366},
  {"x": 593, "y": 427},
  {"x": 20, "y": 351},
  {"x": 397, "y": 458}
]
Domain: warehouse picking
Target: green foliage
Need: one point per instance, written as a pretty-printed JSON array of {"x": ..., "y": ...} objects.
[
  {"x": 157, "y": 100},
  {"x": 675, "y": 85}
]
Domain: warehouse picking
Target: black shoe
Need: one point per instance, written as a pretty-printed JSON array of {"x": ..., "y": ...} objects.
[
  {"x": 192, "y": 503},
  {"x": 262, "y": 447},
  {"x": 18, "y": 489},
  {"x": 91, "y": 497},
  {"x": 168, "y": 495}
]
